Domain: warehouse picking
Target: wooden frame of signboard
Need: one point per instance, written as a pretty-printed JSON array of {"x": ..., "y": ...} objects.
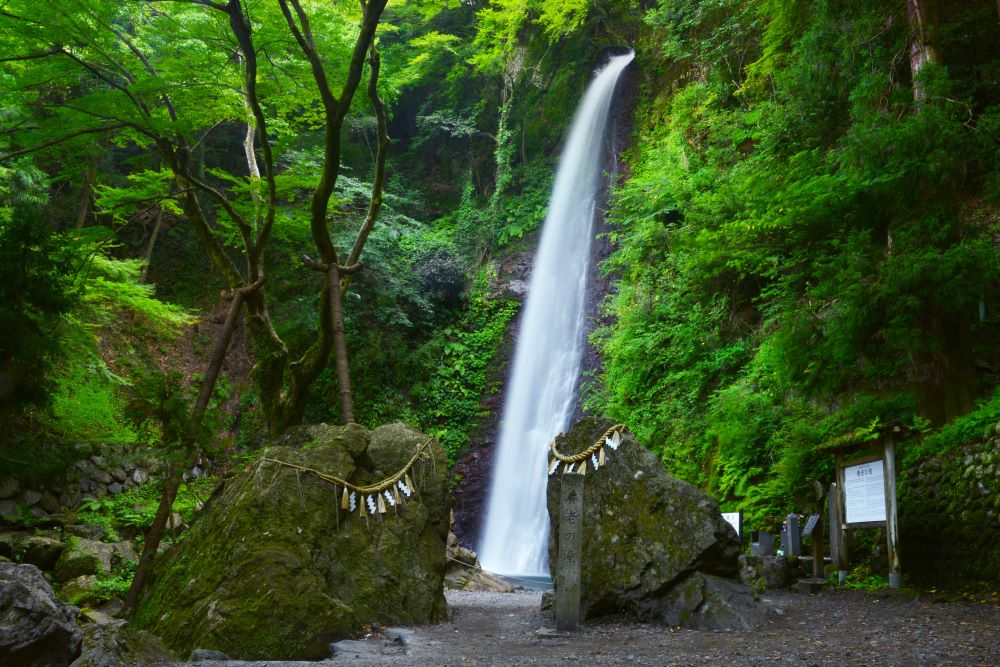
[{"x": 863, "y": 456}]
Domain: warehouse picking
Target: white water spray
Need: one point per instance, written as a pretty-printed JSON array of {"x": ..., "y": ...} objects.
[{"x": 542, "y": 389}]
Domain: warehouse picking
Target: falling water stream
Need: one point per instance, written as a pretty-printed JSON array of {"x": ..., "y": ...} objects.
[{"x": 541, "y": 393}]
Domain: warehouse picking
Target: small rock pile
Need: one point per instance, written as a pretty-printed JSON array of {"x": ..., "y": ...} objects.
[{"x": 465, "y": 573}]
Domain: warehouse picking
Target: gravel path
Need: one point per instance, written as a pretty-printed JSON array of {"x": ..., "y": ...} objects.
[{"x": 832, "y": 628}]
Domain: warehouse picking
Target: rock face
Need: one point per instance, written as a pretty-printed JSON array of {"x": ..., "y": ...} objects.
[
  {"x": 275, "y": 569},
  {"x": 653, "y": 546},
  {"x": 35, "y": 627}
]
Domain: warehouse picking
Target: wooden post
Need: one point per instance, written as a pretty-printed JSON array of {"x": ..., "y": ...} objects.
[
  {"x": 891, "y": 520},
  {"x": 817, "y": 539},
  {"x": 838, "y": 543},
  {"x": 570, "y": 552}
]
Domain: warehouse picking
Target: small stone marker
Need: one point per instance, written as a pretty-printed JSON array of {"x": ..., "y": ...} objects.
[
  {"x": 570, "y": 550},
  {"x": 791, "y": 540},
  {"x": 761, "y": 543}
]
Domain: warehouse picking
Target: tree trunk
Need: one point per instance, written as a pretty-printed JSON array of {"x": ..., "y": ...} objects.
[
  {"x": 923, "y": 44},
  {"x": 153, "y": 538},
  {"x": 83, "y": 209},
  {"x": 152, "y": 244},
  {"x": 173, "y": 480},
  {"x": 340, "y": 345}
]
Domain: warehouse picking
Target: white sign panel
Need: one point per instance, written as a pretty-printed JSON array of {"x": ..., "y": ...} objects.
[
  {"x": 864, "y": 492},
  {"x": 733, "y": 519}
]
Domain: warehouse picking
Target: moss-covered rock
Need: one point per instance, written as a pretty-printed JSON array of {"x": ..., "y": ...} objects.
[
  {"x": 646, "y": 534},
  {"x": 79, "y": 591},
  {"x": 115, "y": 644},
  {"x": 82, "y": 557},
  {"x": 275, "y": 569}
]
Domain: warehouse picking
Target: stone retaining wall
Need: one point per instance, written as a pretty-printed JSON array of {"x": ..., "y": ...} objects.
[
  {"x": 950, "y": 514},
  {"x": 93, "y": 476}
]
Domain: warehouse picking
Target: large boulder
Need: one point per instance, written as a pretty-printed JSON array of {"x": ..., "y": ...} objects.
[
  {"x": 35, "y": 627},
  {"x": 653, "y": 546},
  {"x": 274, "y": 568}
]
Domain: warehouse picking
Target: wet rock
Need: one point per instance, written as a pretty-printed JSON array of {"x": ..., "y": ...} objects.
[
  {"x": 36, "y": 629},
  {"x": 472, "y": 491},
  {"x": 653, "y": 546},
  {"x": 275, "y": 569}
]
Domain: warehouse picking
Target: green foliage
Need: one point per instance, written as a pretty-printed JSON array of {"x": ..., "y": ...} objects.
[
  {"x": 977, "y": 425},
  {"x": 523, "y": 212},
  {"x": 862, "y": 579},
  {"x": 34, "y": 292},
  {"x": 501, "y": 21},
  {"x": 136, "y": 507},
  {"x": 161, "y": 408},
  {"x": 802, "y": 249},
  {"x": 461, "y": 364},
  {"x": 115, "y": 584}
]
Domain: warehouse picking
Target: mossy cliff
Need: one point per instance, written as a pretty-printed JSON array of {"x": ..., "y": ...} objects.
[{"x": 275, "y": 569}]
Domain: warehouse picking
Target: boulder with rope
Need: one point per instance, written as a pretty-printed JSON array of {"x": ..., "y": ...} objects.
[
  {"x": 331, "y": 529},
  {"x": 654, "y": 546}
]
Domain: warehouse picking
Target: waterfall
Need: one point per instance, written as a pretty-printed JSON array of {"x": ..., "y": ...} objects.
[{"x": 541, "y": 393}]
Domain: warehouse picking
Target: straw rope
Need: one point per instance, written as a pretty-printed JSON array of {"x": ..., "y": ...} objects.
[
  {"x": 371, "y": 489},
  {"x": 587, "y": 453}
]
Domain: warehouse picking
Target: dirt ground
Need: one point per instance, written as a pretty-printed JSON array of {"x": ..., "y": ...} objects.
[{"x": 831, "y": 628}]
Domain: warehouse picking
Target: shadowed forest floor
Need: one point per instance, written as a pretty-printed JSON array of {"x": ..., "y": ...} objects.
[{"x": 832, "y": 628}]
